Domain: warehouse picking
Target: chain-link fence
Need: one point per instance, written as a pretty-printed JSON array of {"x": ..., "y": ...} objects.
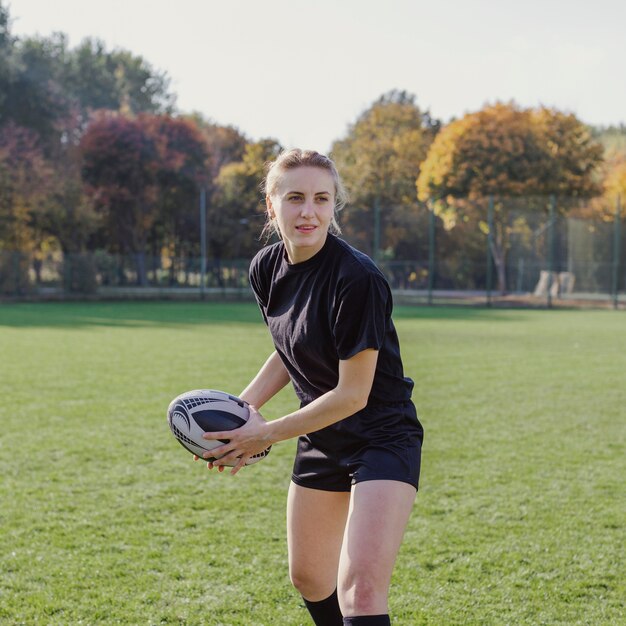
[
  {"x": 534, "y": 251},
  {"x": 101, "y": 273},
  {"x": 526, "y": 250}
]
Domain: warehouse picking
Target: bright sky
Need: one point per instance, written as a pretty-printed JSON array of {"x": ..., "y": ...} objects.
[{"x": 302, "y": 70}]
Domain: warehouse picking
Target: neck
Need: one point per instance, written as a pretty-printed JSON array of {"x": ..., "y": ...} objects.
[{"x": 299, "y": 254}]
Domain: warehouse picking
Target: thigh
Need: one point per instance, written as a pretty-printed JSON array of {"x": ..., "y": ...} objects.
[
  {"x": 379, "y": 512},
  {"x": 316, "y": 521}
]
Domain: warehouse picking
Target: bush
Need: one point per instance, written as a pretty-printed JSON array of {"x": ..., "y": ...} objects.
[
  {"x": 79, "y": 274},
  {"x": 14, "y": 278}
]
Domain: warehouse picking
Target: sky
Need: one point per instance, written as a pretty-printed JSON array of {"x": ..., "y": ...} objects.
[{"x": 302, "y": 71}]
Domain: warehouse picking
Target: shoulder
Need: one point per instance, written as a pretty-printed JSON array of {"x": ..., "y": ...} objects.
[
  {"x": 355, "y": 264},
  {"x": 266, "y": 256},
  {"x": 262, "y": 268}
]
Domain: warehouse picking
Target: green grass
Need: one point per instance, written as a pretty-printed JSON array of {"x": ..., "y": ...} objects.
[{"x": 105, "y": 519}]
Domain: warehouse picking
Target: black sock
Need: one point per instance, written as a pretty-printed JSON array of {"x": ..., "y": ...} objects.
[
  {"x": 367, "y": 620},
  {"x": 325, "y": 612}
]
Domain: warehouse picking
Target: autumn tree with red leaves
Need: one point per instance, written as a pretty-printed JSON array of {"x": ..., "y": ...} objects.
[{"x": 142, "y": 172}]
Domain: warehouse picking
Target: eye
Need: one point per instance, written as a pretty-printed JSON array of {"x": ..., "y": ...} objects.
[
  {"x": 323, "y": 198},
  {"x": 294, "y": 197}
]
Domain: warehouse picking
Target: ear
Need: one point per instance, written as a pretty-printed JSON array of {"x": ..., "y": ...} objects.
[{"x": 269, "y": 207}]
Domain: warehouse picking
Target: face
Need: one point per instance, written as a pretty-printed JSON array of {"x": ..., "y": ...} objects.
[{"x": 303, "y": 205}]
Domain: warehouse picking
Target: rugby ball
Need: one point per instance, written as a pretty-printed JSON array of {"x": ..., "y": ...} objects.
[{"x": 194, "y": 413}]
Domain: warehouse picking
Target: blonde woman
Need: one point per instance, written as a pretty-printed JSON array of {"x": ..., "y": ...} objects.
[{"x": 328, "y": 309}]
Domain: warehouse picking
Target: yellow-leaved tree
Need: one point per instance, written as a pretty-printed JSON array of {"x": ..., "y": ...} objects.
[
  {"x": 503, "y": 151},
  {"x": 236, "y": 216},
  {"x": 615, "y": 185},
  {"x": 379, "y": 159}
]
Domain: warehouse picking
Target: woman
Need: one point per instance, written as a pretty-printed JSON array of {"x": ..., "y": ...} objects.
[{"x": 355, "y": 476}]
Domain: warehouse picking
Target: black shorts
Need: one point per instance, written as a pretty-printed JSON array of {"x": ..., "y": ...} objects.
[{"x": 379, "y": 443}]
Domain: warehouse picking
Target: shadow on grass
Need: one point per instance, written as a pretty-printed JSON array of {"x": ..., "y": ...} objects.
[
  {"x": 138, "y": 314},
  {"x": 128, "y": 314},
  {"x": 468, "y": 313}
]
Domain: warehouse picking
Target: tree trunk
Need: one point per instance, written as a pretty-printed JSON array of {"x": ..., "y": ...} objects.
[
  {"x": 499, "y": 258},
  {"x": 140, "y": 263}
]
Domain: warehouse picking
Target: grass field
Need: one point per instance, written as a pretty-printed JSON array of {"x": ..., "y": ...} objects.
[{"x": 105, "y": 519}]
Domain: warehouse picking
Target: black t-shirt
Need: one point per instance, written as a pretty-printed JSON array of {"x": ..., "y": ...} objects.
[{"x": 326, "y": 309}]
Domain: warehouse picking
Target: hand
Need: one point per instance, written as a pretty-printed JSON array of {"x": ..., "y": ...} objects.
[
  {"x": 210, "y": 464},
  {"x": 244, "y": 442}
]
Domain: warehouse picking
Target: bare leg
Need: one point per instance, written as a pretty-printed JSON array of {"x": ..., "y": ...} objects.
[
  {"x": 315, "y": 526},
  {"x": 379, "y": 512}
]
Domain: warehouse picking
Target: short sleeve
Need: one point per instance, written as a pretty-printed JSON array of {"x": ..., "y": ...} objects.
[
  {"x": 361, "y": 314},
  {"x": 257, "y": 285}
]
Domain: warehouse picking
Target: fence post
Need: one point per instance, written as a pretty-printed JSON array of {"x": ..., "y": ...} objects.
[
  {"x": 489, "y": 250},
  {"x": 616, "y": 250},
  {"x": 520, "y": 274},
  {"x": 16, "y": 272},
  {"x": 551, "y": 247},
  {"x": 202, "y": 241},
  {"x": 376, "y": 254},
  {"x": 431, "y": 251}
]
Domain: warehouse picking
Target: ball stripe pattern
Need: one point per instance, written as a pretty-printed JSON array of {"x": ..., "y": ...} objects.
[{"x": 193, "y": 413}]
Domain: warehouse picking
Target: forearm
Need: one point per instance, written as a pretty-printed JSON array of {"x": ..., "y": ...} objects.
[
  {"x": 329, "y": 408},
  {"x": 349, "y": 396},
  {"x": 272, "y": 377}
]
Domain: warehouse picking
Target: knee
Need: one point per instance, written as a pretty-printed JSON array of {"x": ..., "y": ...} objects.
[
  {"x": 309, "y": 586},
  {"x": 301, "y": 581},
  {"x": 362, "y": 595}
]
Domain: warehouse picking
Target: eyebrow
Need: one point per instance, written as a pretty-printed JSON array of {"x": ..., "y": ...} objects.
[{"x": 317, "y": 193}]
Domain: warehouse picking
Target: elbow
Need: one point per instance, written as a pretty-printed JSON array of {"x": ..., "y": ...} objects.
[{"x": 356, "y": 401}]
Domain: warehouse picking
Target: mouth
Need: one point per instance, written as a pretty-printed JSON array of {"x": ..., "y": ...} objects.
[{"x": 306, "y": 228}]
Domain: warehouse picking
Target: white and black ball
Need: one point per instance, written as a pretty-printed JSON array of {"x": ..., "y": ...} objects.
[{"x": 194, "y": 413}]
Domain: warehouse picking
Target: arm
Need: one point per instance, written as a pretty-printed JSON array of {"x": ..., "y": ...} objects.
[
  {"x": 272, "y": 377},
  {"x": 356, "y": 376}
]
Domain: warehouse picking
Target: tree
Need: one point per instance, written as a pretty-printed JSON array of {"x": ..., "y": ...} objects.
[
  {"x": 34, "y": 98},
  {"x": 6, "y": 54},
  {"x": 142, "y": 172},
  {"x": 613, "y": 138},
  {"x": 25, "y": 179},
  {"x": 48, "y": 94},
  {"x": 225, "y": 144},
  {"x": 379, "y": 160},
  {"x": 117, "y": 81},
  {"x": 573, "y": 155},
  {"x": 501, "y": 151},
  {"x": 46, "y": 84},
  {"x": 237, "y": 211},
  {"x": 119, "y": 166},
  {"x": 615, "y": 185},
  {"x": 182, "y": 171},
  {"x": 24, "y": 182},
  {"x": 69, "y": 214}
]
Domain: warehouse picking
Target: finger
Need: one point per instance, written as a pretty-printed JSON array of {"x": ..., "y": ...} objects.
[
  {"x": 212, "y": 436},
  {"x": 231, "y": 458},
  {"x": 240, "y": 464},
  {"x": 218, "y": 452}
]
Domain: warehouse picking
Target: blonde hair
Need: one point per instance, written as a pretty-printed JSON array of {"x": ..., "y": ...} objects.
[{"x": 290, "y": 160}]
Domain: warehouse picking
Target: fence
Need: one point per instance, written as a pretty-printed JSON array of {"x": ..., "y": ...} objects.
[
  {"x": 528, "y": 250},
  {"x": 534, "y": 251}
]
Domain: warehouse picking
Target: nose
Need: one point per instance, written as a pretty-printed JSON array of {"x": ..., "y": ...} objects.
[{"x": 307, "y": 209}]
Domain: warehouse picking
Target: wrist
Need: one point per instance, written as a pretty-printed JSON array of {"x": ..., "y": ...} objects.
[{"x": 274, "y": 434}]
